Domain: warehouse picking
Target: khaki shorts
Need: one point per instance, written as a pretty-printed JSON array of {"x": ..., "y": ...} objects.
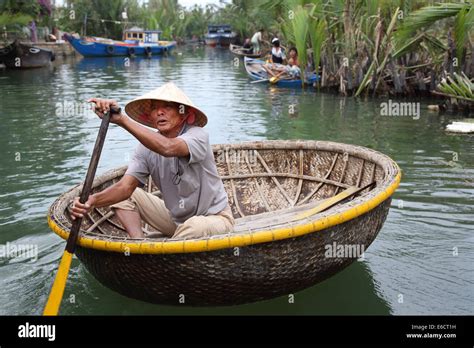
[{"x": 153, "y": 211}]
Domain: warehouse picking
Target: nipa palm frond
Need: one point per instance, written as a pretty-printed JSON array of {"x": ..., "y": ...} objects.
[
  {"x": 463, "y": 24},
  {"x": 457, "y": 86},
  {"x": 317, "y": 36},
  {"x": 300, "y": 26},
  {"x": 425, "y": 17}
]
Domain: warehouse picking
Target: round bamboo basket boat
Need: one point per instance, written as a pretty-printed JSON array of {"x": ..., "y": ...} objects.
[{"x": 280, "y": 241}]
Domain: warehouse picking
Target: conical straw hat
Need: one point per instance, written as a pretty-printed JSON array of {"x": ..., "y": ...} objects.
[{"x": 140, "y": 108}]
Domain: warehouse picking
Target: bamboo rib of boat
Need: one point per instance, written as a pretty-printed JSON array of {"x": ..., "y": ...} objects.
[{"x": 278, "y": 246}]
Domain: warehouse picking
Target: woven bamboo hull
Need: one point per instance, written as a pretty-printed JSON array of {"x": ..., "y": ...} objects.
[
  {"x": 207, "y": 279},
  {"x": 273, "y": 250}
]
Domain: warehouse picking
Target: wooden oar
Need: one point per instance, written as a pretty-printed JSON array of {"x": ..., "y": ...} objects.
[
  {"x": 57, "y": 291},
  {"x": 264, "y": 80},
  {"x": 330, "y": 202},
  {"x": 272, "y": 80}
]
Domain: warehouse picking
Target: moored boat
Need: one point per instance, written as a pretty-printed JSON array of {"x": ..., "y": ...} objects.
[
  {"x": 220, "y": 35},
  {"x": 138, "y": 43},
  {"x": 256, "y": 72},
  {"x": 21, "y": 56},
  {"x": 286, "y": 198},
  {"x": 243, "y": 52}
]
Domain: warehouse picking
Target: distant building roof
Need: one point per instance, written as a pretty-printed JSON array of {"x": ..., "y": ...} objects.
[{"x": 140, "y": 30}]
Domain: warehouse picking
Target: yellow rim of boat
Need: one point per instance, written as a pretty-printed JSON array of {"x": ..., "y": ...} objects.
[{"x": 231, "y": 241}]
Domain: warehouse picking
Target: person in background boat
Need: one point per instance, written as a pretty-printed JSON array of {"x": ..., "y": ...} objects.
[
  {"x": 293, "y": 67},
  {"x": 293, "y": 54},
  {"x": 275, "y": 67},
  {"x": 248, "y": 46},
  {"x": 290, "y": 71},
  {"x": 179, "y": 159},
  {"x": 278, "y": 55},
  {"x": 256, "y": 40}
]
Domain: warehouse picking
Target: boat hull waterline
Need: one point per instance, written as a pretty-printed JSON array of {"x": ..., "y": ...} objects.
[{"x": 102, "y": 49}]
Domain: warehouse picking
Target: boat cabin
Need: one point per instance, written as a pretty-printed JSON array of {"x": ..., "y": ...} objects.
[
  {"x": 138, "y": 35},
  {"x": 219, "y": 29}
]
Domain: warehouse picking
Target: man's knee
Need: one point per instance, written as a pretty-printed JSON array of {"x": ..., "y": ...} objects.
[
  {"x": 191, "y": 228},
  {"x": 203, "y": 226}
]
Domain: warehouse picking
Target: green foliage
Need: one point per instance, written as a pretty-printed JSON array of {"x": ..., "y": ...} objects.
[
  {"x": 317, "y": 35},
  {"x": 164, "y": 15},
  {"x": 15, "y": 14},
  {"x": 372, "y": 6},
  {"x": 298, "y": 30},
  {"x": 427, "y": 17},
  {"x": 464, "y": 23},
  {"x": 382, "y": 54},
  {"x": 199, "y": 17},
  {"x": 104, "y": 18},
  {"x": 95, "y": 17},
  {"x": 457, "y": 86},
  {"x": 245, "y": 17},
  {"x": 14, "y": 20},
  {"x": 17, "y": 7},
  {"x": 333, "y": 28}
]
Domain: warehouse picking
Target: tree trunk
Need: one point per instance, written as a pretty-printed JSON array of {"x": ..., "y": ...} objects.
[{"x": 348, "y": 28}]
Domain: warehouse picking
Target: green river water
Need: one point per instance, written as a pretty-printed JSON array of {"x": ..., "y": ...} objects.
[{"x": 422, "y": 262}]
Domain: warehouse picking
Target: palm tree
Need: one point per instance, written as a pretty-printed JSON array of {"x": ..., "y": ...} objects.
[
  {"x": 170, "y": 17},
  {"x": 428, "y": 17}
]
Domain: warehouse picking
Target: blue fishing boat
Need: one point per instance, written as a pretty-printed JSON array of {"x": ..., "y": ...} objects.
[
  {"x": 258, "y": 73},
  {"x": 220, "y": 35},
  {"x": 137, "y": 42}
]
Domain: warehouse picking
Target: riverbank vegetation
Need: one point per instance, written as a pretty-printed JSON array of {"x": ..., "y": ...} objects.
[
  {"x": 379, "y": 47},
  {"x": 359, "y": 47}
]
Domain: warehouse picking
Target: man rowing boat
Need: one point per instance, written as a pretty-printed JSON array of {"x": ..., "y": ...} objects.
[
  {"x": 279, "y": 71},
  {"x": 180, "y": 161}
]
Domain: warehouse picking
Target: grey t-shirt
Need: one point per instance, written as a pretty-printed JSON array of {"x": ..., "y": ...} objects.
[{"x": 196, "y": 189}]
